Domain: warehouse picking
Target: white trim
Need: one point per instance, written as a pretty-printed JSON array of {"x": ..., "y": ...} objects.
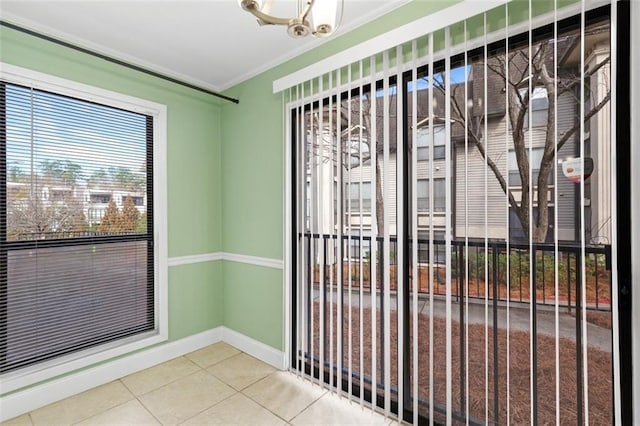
[
  {"x": 195, "y": 258},
  {"x": 635, "y": 205},
  {"x": 33, "y": 398},
  {"x": 30, "y": 399},
  {"x": 103, "y": 50},
  {"x": 265, "y": 262},
  {"x": 255, "y": 348},
  {"x": 431, "y": 23},
  {"x": 288, "y": 249},
  {"x": 43, "y": 371},
  {"x": 615, "y": 284},
  {"x": 46, "y": 370},
  {"x": 39, "y": 80},
  {"x": 253, "y": 260},
  {"x": 161, "y": 222}
]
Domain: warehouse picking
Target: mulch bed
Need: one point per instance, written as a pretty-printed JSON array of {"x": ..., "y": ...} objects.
[{"x": 480, "y": 390}]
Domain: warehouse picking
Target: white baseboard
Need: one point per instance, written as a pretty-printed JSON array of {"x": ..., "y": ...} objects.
[
  {"x": 256, "y": 349},
  {"x": 21, "y": 402},
  {"x": 24, "y": 401}
]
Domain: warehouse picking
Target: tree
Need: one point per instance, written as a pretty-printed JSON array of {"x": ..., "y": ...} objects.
[
  {"x": 525, "y": 73},
  {"x": 378, "y": 146},
  {"x": 61, "y": 172},
  {"x": 44, "y": 205},
  {"x": 129, "y": 216},
  {"x": 16, "y": 174},
  {"x": 29, "y": 218},
  {"x": 467, "y": 111},
  {"x": 111, "y": 220},
  {"x": 141, "y": 228},
  {"x": 97, "y": 178},
  {"x": 353, "y": 148},
  {"x": 126, "y": 179}
]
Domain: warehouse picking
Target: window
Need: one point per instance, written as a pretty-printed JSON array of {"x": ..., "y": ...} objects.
[
  {"x": 423, "y": 195},
  {"x": 354, "y": 196},
  {"x": 439, "y": 195},
  {"x": 534, "y": 162},
  {"x": 539, "y": 105},
  {"x": 535, "y": 159},
  {"x": 138, "y": 201},
  {"x": 424, "y": 135},
  {"x": 86, "y": 277},
  {"x": 100, "y": 198}
]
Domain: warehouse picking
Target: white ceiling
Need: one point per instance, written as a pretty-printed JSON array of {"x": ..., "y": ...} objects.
[{"x": 210, "y": 43}]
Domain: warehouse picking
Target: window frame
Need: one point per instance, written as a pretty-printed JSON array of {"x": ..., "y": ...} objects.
[
  {"x": 20, "y": 378},
  {"x": 439, "y": 143},
  {"x": 534, "y": 165},
  {"x": 540, "y": 113},
  {"x": 355, "y": 202}
]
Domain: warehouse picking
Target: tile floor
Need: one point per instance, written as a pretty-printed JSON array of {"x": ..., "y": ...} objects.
[{"x": 216, "y": 385}]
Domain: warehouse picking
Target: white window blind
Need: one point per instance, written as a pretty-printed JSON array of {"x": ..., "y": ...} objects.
[{"x": 76, "y": 225}]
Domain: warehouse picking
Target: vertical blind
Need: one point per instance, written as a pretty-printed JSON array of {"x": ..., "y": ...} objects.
[
  {"x": 452, "y": 231},
  {"x": 75, "y": 225}
]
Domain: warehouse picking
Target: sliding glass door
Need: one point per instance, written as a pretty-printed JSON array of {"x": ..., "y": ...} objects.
[{"x": 454, "y": 239}]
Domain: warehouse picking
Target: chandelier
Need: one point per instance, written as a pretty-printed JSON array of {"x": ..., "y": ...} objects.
[{"x": 316, "y": 17}]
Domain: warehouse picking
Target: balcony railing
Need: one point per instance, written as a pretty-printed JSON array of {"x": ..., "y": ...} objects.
[{"x": 508, "y": 268}]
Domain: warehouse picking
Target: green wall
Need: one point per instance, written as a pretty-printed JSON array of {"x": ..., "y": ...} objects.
[{"x": 193, "y": 170}]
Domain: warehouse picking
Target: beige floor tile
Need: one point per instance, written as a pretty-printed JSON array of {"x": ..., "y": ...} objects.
[
  {"x": 236, "y": 410},
  {"x": 129, "y": 413},
  {"x": 206, "y": 357},
  {"x": 284, "y": 394},
  {"x": 152, "y": 378},
  {"x": 332, "y": 410},
  {"x": 241, "y": 370},
  {"x": 83, "y": 405},
  {"x": 186, "y": 397},
  {"x": 23, "y": 420}
]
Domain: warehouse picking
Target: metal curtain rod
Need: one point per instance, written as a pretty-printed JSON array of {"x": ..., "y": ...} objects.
[{"x": 116, "y": 61}]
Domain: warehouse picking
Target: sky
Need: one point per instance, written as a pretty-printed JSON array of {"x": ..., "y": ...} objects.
[{"x": 53, "y": 127}]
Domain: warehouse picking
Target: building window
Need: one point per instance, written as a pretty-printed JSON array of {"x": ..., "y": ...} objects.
[
  {"x": 138, "y": 201},
  {"x": 535, "y": 158},
  {"x": 539, "y": 105},
  {"x": 99, "y": 198},
  {"x": 424, "y": 135},
  {"x": 84, "y": 276},
  {"x": 355, "y": 189},
  {"x": 439, "y": 191}
]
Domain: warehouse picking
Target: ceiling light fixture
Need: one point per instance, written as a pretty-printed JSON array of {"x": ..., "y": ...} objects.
[{"x": 320, "y": 18}]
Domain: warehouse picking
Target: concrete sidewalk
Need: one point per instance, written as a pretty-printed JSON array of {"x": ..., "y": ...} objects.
[{"x": 519, "y": 316}]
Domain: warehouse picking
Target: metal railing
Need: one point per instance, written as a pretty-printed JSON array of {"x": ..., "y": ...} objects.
[{"x": 509, "y": 274}]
